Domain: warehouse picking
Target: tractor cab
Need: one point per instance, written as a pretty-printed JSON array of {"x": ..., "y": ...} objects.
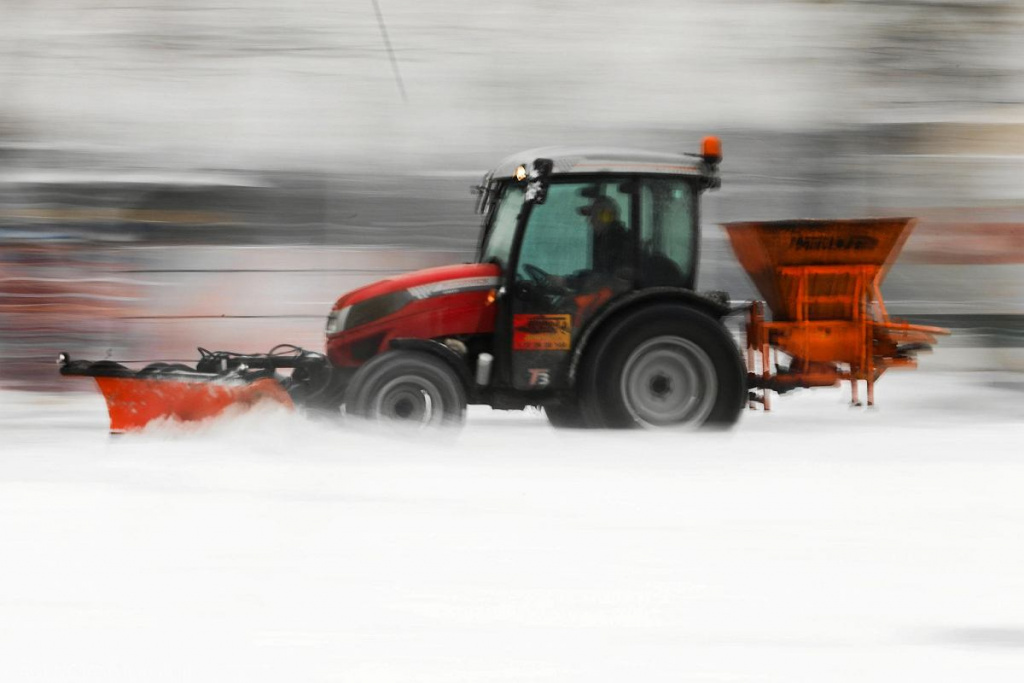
[{"x": 575, "y": 231}]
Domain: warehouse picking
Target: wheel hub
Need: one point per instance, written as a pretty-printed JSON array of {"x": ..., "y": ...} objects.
[
  {"x": 661, "y": 386},
  {"x": 669, "y": 381},
  {"x": 409, "y": 400},
  {"x": 404, "y": 408}
]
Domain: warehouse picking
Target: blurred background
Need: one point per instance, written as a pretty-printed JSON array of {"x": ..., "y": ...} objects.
[{"x": 175, "y": 174}]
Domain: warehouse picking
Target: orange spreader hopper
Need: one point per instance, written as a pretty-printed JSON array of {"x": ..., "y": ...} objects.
[{"x": 821, "y": 280}]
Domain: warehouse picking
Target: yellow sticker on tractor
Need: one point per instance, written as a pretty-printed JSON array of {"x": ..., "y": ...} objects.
[{"x": 531, "y": 332}]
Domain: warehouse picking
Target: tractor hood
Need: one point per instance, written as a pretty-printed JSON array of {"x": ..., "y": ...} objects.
[
  {"x": 427, "y": 282},
  {"x": 386, "y": 297}
]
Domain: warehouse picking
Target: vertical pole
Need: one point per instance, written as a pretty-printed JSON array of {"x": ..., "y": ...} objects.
[
  {"x": 753, "y": 332},
  {"x": 391, "y": 52},
  {"x": 869, "y": 340},
  {"x": 857, "y": 307},
  {"x": 766, "y": 371},
  {"x": 751, "y": 368}
]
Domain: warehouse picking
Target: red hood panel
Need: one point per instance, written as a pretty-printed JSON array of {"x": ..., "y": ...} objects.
[{"x": 423, "y": 281}]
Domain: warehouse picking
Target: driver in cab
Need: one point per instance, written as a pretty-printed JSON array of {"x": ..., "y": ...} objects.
[
  {"x": 613, "y": 247},
  {"x": 612, "y": 263}
]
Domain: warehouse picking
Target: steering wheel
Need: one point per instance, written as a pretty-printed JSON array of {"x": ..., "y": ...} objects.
[
  {"x": 543, "y": 279},
  {"x": 548, "y": 289}
]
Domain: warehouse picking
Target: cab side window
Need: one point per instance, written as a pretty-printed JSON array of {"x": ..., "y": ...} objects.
[
  {"x": 556, "y": 239},
  {"x": 582, "y": 228},
  {"x": 497, "y": 244},
  {"x": 668, "y": 216}
]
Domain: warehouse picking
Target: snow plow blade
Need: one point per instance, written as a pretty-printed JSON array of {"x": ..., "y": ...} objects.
[{"x": 220, "y": 381}]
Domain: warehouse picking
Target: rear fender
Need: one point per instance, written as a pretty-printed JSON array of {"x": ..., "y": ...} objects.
[{"x": 632, "y": 302}]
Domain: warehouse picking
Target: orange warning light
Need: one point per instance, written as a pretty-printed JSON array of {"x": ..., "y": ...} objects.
[{"x": 711, "y": 149}]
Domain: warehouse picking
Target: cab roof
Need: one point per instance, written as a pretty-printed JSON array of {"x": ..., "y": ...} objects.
[{"x": 579, "y": 160}]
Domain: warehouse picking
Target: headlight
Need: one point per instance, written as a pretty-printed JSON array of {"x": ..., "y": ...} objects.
[
  {"x": 336, "y": 320},
  {"x": 368, "y": 311}
]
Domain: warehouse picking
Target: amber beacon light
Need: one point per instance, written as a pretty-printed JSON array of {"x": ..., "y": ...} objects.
[{"x": 711, "y": 149}]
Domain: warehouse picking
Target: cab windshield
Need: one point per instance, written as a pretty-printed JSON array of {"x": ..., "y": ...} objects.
[{"x": 497, "y": 245}]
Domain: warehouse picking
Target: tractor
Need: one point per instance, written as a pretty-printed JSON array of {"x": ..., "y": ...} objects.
[{"x": 582, "y": 300}]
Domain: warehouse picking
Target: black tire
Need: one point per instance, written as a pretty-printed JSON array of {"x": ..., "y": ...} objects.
[
  {"x": 567, "y": 415},
  {"x": 663, "y": 366},
  {"x": 407, "y": 388}
]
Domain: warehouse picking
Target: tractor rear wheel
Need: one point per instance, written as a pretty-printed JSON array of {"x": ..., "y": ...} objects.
[
  {"x": 665, "y": 366},
  {"x": 407, "y": 388}
]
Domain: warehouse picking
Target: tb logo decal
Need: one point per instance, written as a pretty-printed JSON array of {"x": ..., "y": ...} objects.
[{"x": 539, "y": 377}]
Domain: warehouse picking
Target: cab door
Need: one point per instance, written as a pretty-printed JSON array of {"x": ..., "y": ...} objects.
[{"x": 577, "y": 252}]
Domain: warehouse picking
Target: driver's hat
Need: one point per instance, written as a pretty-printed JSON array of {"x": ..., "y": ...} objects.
[{"x": 601, "y": 213}]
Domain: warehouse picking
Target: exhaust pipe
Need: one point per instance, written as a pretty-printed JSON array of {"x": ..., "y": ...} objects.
[{"x": 483, "y": 369}]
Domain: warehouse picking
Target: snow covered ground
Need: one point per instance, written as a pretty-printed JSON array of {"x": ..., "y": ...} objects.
[{"x": 813, "y": 543}]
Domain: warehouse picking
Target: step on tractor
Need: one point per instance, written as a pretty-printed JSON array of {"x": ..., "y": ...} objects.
[{"x": 583, "y": 301}]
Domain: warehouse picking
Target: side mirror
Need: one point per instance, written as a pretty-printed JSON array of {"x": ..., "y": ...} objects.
[{"x": 538, "y": 180}]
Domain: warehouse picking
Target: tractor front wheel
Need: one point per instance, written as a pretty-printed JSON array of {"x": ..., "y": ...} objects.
[{"x": 409, "y": 389}]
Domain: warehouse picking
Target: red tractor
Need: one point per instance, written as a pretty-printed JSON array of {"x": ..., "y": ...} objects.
[{"x": 582, "y": 300}]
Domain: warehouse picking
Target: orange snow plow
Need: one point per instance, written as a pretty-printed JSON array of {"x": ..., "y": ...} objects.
[
  {"x": 821, "y": 281},
  {"x": 220, "y": 380},
  {"x": 133, "y": 403}
]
